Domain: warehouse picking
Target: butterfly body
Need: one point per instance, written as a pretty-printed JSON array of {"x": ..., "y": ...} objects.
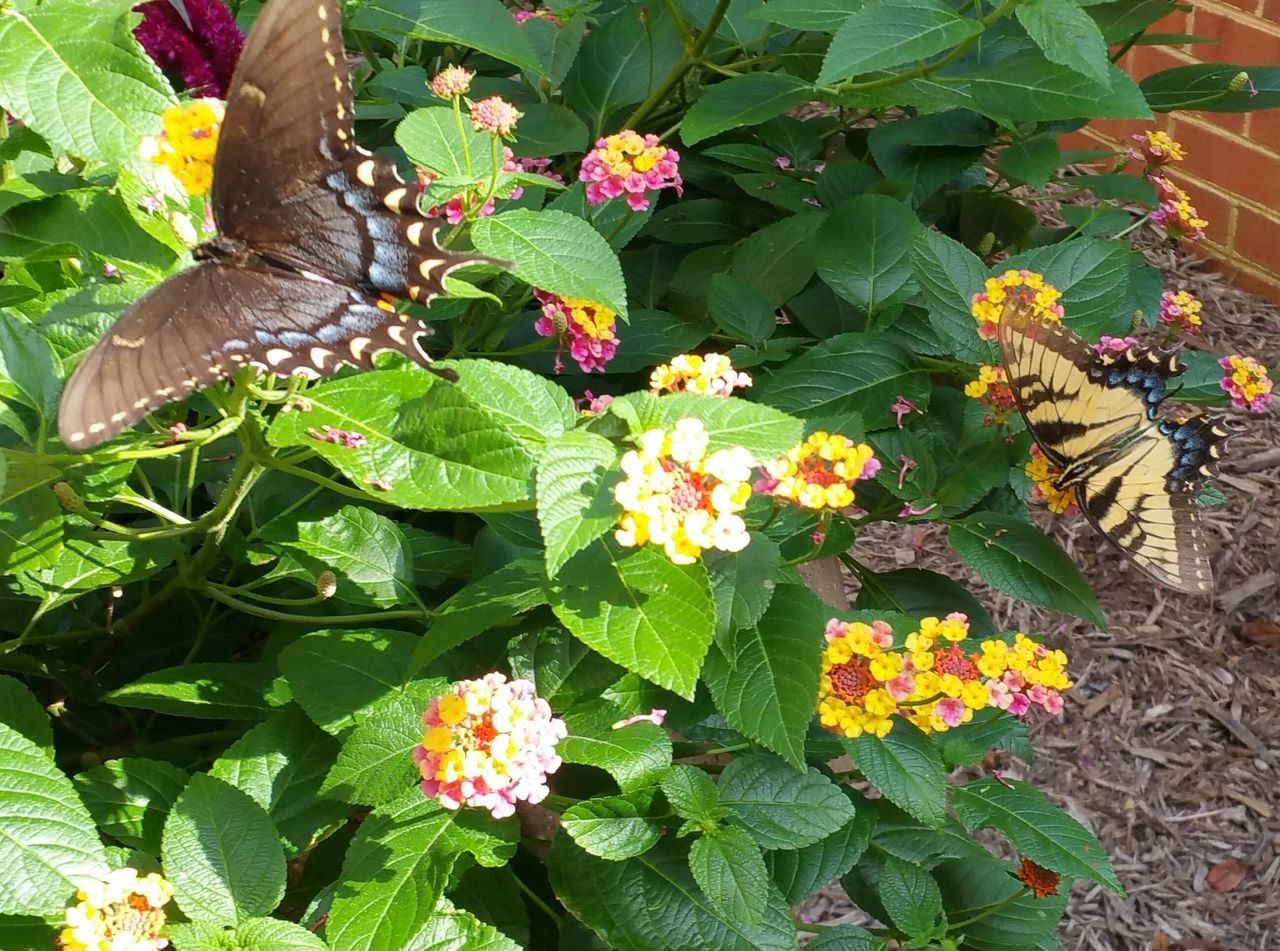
[
  {"x": 313, "y": 233},
  {"x": 1096, "y": 415}
]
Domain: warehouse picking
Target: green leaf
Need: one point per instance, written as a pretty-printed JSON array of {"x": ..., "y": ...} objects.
[
  {"x": 652, "y": 337},
  {"x": 907, "y": 770},
  {"x": 366, "y": 551},
  {"x": 1207, "y": 87},
  {"x": 452, "y": 929},
  {"x": 635, "y": 756},
  {"x": 281, "y": 763},
  {"x": 575, "y": 479},
  {"x": 949, "y": 274},
  {"x": 1092, "y": 275},
  {"x": 130, "y": 798},
  {"x": 887, "y": 33},
  {"x": 431, "y": 138},
  {"x": 376, "y": 763},
  {"x": 768, "y": 688},
  {"x": 75, "y": 74},
  {"x": 483, "y": 25},
  {"x": 84, "y": 565},
  {"x": 749, "y": 99},
  {"x": 484, "y": 603},
  {"x": 1036, "y": 827},
  {"x": 272, "y": 934},
  {"x": 910, "y": 896},
  {"x": 741, "y": 310},
  {"x": 646, "y": 902},
  {"x": 920, "y": 593},
  {"x": 24, "y": 933},
  {"x": 398, "y": 864},
  {"x": 780, "y": 807},
  {"x": 743, "y": 585},
  {"x": 777, "y": 260},
  {"x": 730, "y": 422},
  {"x": 822, "y": 16},
  {"x": 1015, "y": 921},
  {"x": 337, "y": 676},
  {"x": 1020, "y": 559},
  {"x": 620, "y": 63},
  {"x": 692, "y": 793},
  {"x": 556, "y": 252},
  {"x": 801, "y": 873},
  {"x": 1201, "y": 382},
  {"x": 844, "y": 938},
  {"x": 1068, "y": 36},
  {"x": 614, "y": 827},
  {"x": 641, "y": 611},
  {"x": 436, "y": 446},
  {"x": 222, "y": 854},
  {"x": 229, "y": 691},
  {"x": 695, "y": 221},
  {"x": 21, "y": 711},
  {"x": 30, "y": 372},
  {"x": 533, "y": 408},
  {"x": 728, "y": 867},
  {"x": 1028, "y": 87},
  {"x": 48, "y": 847},
  {"x": 31, "y": 524},
  {"x": 862, "y": 252},
  {"x": 857, "y": 372},
  {"x": 1032, "y": 160}
]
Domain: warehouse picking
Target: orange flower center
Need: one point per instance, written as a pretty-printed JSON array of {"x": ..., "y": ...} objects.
[
  {"x": 955, "y": 661},
  {"x": 850, "y": 682}
]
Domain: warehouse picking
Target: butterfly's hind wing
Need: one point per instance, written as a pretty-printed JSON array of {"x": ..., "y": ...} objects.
[
  {"x": 202, "y": 324},
  {"x": 290, "y": 182}
]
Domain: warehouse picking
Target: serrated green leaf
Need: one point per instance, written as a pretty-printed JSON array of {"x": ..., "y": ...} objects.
[
  {"x": 780, "y": 807},
  {"x": 777, "y": 260},
  {"x": 728, "y": 867},
  {"x": 1036, "y": 827},
  {"x": 741, "y": 310},
  {"x": 556, "y": 252},
  {"x": 742, "y": 100},
  {"x": 21, "y": 711},
  {"x": 1015, "y": 922},
  {"x": 29, "y": 369},
  {"x": 84, "y": 565},
  {"x": 862, "y": 252},
  {"x": 281, "y": 763},
  {"x": 800, "y": 873},
  {"x": 743, "y": 584},
  {"x": 823, "y": 16},
  {"x": 949, "y": 274},
  {"x": 613, "y": 827},
  {"x": 228, "y": 691},
  {"x": 431, "y": 138},
  {"x": 531, "y": 407},
  {"x": 907, "y": 769},
  {"x": 453, "y": 929},
  {"x": 887, "y": 33},
  {"x": 48, "y": 847},
  {"x": 1207, "y": 87},
  {"x": 691, "y": 793},
  {"x": 75, "y": 74},
  {"x": 376, "y": 763},
  {"x": 130, "y": 798},
  {"x": 910, "y": 896},
  {"x": 575, "y": 479},
  {"x": 1068, "y": 36},
  {"x": 1022, "y": 560},
  {"x": 635, "y": 756},
  {"x": 768, "y": 688},
  {"x": 222, "y": 854},
  {"x": 479, "y": 24},
  {"x": 272, "y": 934},
  {"x": 641, "y": 611},
  {"x": 1026, "y": 86}
]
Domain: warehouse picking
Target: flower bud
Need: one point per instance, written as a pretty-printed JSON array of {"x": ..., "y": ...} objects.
[
  {"x": 327, "y": 584},
  {"x": 67, "y": 497}
]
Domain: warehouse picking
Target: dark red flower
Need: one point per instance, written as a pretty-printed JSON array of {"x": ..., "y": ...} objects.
[{"x": 202, "y": 48}]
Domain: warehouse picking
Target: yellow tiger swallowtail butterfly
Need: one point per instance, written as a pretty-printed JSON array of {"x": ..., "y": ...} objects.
[{"x": 1094, "y": 414}]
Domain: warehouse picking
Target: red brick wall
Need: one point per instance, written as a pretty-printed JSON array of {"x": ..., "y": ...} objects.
[{"x": 1232, "y": 168}]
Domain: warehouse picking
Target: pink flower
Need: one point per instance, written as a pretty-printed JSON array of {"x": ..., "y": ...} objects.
[
  {"x": 870, "y": 468},
  {"x": 489, "y": 744},
  {"x": 592, "y": 405},
  {"x": 630, "y": 164},
  {"x": 494, "y": 115},
  {"x": 341, "y": 437},
  {"x": 902, "y": 686},
  {"x": 910, "y": 509},
  {"x": 1181, "y": 311},
  {"x": 906, "y": 465},
  {"x": 881, "y": 634},
  {"x": 537, "y": 13},
  {"x": 150, "y": 204},
  {"x": 782, "y": 162},
  {"x": 1247, "y": 381},
  {"x": 585, "y": 327},
  {"x": 901, "y": 407},
  {"x": 452, "y": 81},
  {"x": 655, "y": 716},
  {"x": 1117, "y": 344},
  {"x": 202, "y": 47},
  {"x": 109, "y": 270},
  {"x": 951, "y": 710}
]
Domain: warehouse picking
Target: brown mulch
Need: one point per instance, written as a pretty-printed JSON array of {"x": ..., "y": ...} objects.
[{"x": 1169, "y": 746}]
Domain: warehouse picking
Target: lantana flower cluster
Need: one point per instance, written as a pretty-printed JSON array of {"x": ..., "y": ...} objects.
[
  {"x": 522, "y": 16},
  {"x": 488, "y": 743},
  {"x": 1114, "y": 344},
  {"x": 1175, "y": 212},
  {"x": 495, "y": 115},
  {"x": 631, "y": 164},
  {"x": 988, "y": 304},
  {"x": 451, "y": 82},
  {"x": 991, "y": 388},
  {"x": 1155, "y": 148},
  {"x": 463, "y": 204},
  {"x": 820, "y": 472},
  {"x": 710, "y": 374},
  {"x": 123, "y": 912},
  {"x": 1044, "y": 474},
  {"x": 1180, "y": 311},
  {"x": 680, "y": 497},
  {"x": 187, "y": 144},
  {"x": 588, "y": 329},
  {"x": 1247, "y": 381},
  {"x": 928, "y": 679}
]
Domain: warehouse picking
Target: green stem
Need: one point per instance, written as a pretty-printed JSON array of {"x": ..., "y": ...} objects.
[
  {"x": 187, "y": 441},
  {"x": 320, "y": 480},
  {"x": 1135, "y": 226},
  {"x": 248, "y": 592},
  {"x": 327, "y": 620},
  {"x": 690, "y": 59},
  {"x": 537, "y": 901},
  {"x": 462, "y": 134},
  {"x": 988, "y": 911}
]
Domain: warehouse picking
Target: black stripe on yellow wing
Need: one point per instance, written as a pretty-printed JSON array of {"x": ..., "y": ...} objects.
[
  {"x": 1152, "y": 518},
  {"x": 1071, "y": 415}
]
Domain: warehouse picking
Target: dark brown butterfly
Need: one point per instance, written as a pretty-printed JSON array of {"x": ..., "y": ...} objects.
[{"x": 312, "y": 229}]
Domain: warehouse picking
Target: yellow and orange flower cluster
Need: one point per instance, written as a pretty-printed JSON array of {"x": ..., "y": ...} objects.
[
  {"x": 677, "y": 496},
  {"x": 123, "y": 912},
  {"x": 1180, "y": 310},
  {"x": 928, "y": 679},
  {"x": 991, "y": 388},
  {"x": 711, "y": 375},
  {"x": 1247, "y": 382},
  {"x": 988, "y": 304},
  {"x": 820, "y": 472},
  {"x": 188, "y": 142},
  {"x": 1156, "y": 148},
  {"x": 1175, "y": 211},
  {"x": 1044, "y": 475}
]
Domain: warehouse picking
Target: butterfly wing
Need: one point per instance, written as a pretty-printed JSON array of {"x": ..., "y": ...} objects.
[
  {"x": 1150, "y": 514},
  {"x": 201, "y": 324},
  {"x": 289, "y": 180}
]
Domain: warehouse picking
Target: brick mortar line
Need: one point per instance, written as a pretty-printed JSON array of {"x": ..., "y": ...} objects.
[
  {"x": 1243, "y": 138},
  {"x": 1252, "y": 20}
]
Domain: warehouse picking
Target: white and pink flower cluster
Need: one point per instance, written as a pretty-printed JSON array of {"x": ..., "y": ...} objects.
[
  {"x": 631, "y": 164},
  {"x": 488, "y": 743}
]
